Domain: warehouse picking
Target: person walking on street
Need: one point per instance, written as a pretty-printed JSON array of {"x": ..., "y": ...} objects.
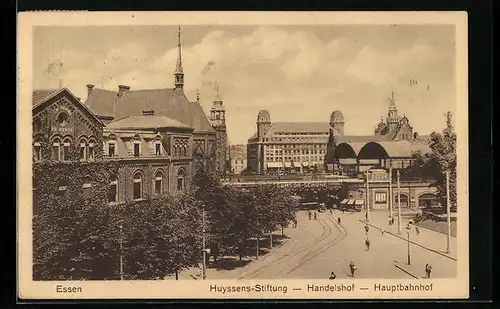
[
  {"x": 367, "y": 244},
  {"x": 332, "y": 276},
  {"x": 428, "y": 269},
  {"x": 310, "y": 214},
  {"x": 392, "y": 221},
  {"x": 315, "y": 215},
  {"x": 382, "y": 230},
  {"x": 417, "y": 230},
  {"x": 353, "y": 268},
  {"x": 338, "y": 220},
  {"x": 366, "y": 229}
]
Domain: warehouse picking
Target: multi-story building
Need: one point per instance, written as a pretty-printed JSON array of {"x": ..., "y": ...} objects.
[
  {"x": 238, "y": 156},
  {"x": 110, "y": 105},
  {"x": 157, "y": 138},
  {"x": 218, "y": 122},
  {"x": 287, "y": 147}
]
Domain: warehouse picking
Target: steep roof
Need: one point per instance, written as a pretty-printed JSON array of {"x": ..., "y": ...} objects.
[
  {"x": 171, "y": 103},
  {"x": 39, "y": 95},
  {"x": 299, "y": 127},
  {"x": 146, "y": 122}
]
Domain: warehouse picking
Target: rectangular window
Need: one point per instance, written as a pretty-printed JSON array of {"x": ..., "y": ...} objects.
[
  {"x": 91, "y": 151},
  {"x": 87, "y": 191},
  {"x": 158, "y": 186},
  {"x": 111, "y": 149},
  {"x": 158, "y": 149},
  {"x": 380, "y": 197},
  {"x": 137, "y": 190},
  {"x": 56, "y": 152},
  {"x": 136, "y": 149},
  {"x": 37, "y": 152},
  {"x": 82, "y": 151},
  {"x": 112, "y": 193},
  {"x": 66, "y": 152}
]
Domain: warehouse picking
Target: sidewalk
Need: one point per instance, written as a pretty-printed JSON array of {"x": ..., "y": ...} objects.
[{"x": 428, "y": 239}]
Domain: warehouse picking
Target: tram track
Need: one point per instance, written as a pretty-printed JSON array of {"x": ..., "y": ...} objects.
[
  {"x": 342, "y": 234},
  {"x": 294, "y": 251}
]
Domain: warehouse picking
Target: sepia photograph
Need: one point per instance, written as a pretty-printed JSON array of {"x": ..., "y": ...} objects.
[{"x": 243, "y": 158}]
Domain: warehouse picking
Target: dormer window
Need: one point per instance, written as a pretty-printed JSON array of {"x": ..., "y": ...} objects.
[
  {"x": 136, "y": 149},
  {"x": 111, "y": 148},
  {"x": 158, "y": 148}
]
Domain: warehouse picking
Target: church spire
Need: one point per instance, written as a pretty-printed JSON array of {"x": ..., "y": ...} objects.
[
  {"x": 179, "y": 73},
  {"x": 216, "y": 87}
]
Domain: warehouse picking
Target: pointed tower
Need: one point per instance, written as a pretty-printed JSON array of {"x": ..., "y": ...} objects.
[
  {"x": 179, "y": 73},
  {"x": 218, "y": 121},
  {"x": 392, "y": 116}
]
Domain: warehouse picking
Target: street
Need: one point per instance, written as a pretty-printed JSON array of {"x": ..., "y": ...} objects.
[{"x": 318, "y": 247}]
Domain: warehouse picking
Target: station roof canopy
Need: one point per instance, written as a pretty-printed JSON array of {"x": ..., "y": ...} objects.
[{"x": 380, "y": 149}]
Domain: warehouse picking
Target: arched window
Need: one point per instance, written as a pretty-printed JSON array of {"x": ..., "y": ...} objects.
[
  {"x": 56, "y": 150},
  {"x": 137, "y": 186},
  {"x": 428, "y": 200},
  {"x": 159, "y": 182},
  {"x": 113, "y": 189},
  {"x": 181, "y": 175},
  {"x": 404, "y": 200},
  {"x": 83, "y": 150},
  {"x": 90, "y": 151},
  {"x": 87, "y": 187},
  {"x": 37, "y": 151},
  {"x": 66, "y": 149}
]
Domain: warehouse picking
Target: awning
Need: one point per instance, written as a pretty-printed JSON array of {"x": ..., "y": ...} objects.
[
  {"x": 287, "y": 164},
  {"x": 351, "y": 202},
  {"x": 274, "y": 165},
  {"x": 360, "y": 202},
  {"x": 305, "y": 164},
  {"x": 344, "y": 201}
]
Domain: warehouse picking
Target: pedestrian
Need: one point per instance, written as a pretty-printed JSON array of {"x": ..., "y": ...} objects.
[
  {"x": 366, "y": 229},
  {"x": 367, "y": 244},
  {"x": 417, "y": 230},
  {"x": 332, "y": 276},
  {"x": 392, "y": 221},
  {"x": 331, "y": 211},
  {"x": 366, "y": 216},
  {"x": 428, "y": 269},
  {"x": 338, "y": 220},
  {"x": 353, "y": 268},
  {"x": 315, "y": 215},
  {"x": 294, "y": 222},
  {"x": 310, "y": 214},
  {"x": 382, "y": 230}
]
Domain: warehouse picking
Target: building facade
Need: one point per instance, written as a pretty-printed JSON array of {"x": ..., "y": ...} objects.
[
  {"x": 157, "y": 138},
  {"x": 110, "y": 105},
  {"x": 218, "y": 122},
  {"x": 286, "y": 147}
]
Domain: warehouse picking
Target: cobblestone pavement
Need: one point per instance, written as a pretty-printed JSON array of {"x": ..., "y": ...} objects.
[{"x": 317, "y": 247}]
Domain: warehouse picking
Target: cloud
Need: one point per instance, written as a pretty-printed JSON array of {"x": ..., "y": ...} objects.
[{"x": 295, "y": 73}]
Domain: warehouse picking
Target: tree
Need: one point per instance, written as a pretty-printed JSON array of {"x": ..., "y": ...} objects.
[{"x": 442, "y": 158}]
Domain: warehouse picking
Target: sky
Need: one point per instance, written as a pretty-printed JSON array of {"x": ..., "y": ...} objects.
[{"x": 297, "y": 73}]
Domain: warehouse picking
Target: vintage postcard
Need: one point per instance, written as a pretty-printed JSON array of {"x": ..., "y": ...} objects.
[{"x": 242, "y": 155}]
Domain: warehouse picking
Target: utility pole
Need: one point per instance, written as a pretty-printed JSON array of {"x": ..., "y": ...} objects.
[
  {"x": 399, "y": 205},
  {"x": 204, "y": 266},
  {"x": 367, "y": 199},
  {"x": 448, "y": 211},
  {"x": 390, "y": 191},
  {"x": 121, "y": 252}
]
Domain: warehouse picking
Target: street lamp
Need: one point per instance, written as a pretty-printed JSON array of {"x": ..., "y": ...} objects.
[
  {"x": 399, "y": 204},
  {"x": 408, "y": 229}
]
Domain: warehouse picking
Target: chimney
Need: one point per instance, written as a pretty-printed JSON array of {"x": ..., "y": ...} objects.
[
  {"x": 90, "y": 87},
  {"x": 148, "y": 113},
  {"x": 122, "y": 89}
]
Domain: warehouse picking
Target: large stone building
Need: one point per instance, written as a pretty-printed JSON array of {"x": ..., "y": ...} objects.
[
  {"x": 218, "y": 122},
  {"x": 286, "y": 147},
  {"x": 238, "y": 158},
  {"x": 157, "y": 137},
  {"x": 304, "y": 147},
  {"x": 110, "y": 105}
]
